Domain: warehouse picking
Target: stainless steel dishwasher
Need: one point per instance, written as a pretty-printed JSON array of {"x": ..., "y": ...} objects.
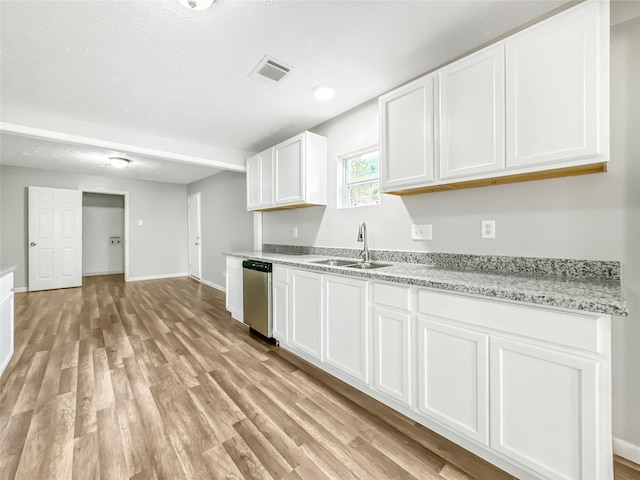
[{"x": 256, "y": 282}]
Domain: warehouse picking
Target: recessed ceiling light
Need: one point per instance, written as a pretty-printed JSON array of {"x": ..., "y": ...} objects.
[
  {"x": 324, "y": 92},
  {"x": 118, "y": 162},
  {"x": 197, "y": 4}
]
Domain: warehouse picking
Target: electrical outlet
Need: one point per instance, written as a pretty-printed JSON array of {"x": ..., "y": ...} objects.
[
  {"x": 488, "y": 229},
  {"x": 295, "y": 232},
  {"x": 421, "y": 232}
]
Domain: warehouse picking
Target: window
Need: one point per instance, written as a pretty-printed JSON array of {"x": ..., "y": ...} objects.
[{"x": 361, "y": 178}]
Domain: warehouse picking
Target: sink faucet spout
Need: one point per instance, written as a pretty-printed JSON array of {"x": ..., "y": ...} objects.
[{"x": 362, "y": 237}]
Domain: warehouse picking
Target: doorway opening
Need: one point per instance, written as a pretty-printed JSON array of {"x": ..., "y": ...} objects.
[{"x": 104, "y": 234}]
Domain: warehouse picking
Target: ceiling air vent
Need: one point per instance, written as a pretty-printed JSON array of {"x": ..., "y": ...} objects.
[{"x": 271, "y": 69}]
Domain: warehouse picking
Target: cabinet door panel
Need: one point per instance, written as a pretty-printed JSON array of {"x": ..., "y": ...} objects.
[
  {"x": 306, "y": 312},
  {"x": 289, "y": 171},
  {"x": 266, "y": 178},
  {"x": 543, "y": 411},
  {"x": 406, "y": 136},
  {"x": 452, "y": 377},
  {"x": 392, "y": 354},
  {"x": 234, "y": 292},
  {"x": 552, "y": 90},
  {"x": 281, "y": 311},
  {"x": 472, "y": 97},
  {"x": 345, "y": 306},
  {"x": 253, "y": 182}
]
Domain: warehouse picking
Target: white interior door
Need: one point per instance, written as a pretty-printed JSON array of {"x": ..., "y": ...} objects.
[
  {"x": 195, "y": 244},
  {"x": 55, "y": 238}
]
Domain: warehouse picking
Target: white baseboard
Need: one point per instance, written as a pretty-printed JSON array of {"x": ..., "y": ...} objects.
[
  {"x": 157, "y": 277},
  {"x": 95, "y": 274},
  {"x": 212, "y": 285},
  {"x": 626, "y": 450},
  {"x": 20, "y": 289}
]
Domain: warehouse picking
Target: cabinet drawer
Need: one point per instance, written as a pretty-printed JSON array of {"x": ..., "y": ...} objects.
[
  {"x": 564, "y": 328},
  {"x": 392, "y": 296},
  {"x": 280, "y": 274}
]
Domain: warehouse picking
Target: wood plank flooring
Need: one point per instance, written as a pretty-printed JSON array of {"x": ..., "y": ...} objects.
[{"x": 153, "y": 380}]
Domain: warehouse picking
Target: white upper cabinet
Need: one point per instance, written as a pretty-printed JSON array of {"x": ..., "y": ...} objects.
[
  {"x": 472, "y": 112},
  {"x": 260, "y": 180},
  {"x": 300, "y": 171},
  {"x": 533, "y": 105},
  {"x": 293, "y": 173},
  {"x": 407, "y": 135},
  {"x": 555, "y": 75}
]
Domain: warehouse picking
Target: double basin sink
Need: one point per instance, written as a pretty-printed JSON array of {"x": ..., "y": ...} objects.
[{"x": 352, "y": 264}]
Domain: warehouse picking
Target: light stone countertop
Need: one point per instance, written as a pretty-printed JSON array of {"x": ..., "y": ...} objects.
[
  {"x": 5, "y": 269},
  {"x": 598, "y": 296}
]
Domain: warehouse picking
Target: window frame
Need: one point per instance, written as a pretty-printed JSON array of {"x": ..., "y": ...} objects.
[{"x": 343, "y": 191}]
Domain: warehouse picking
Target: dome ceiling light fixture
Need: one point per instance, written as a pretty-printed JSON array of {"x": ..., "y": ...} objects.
[
  {"x": 197, "y": 4},
  {"x": 118, "y": 162},
  {"x": 323, "y": 92}
]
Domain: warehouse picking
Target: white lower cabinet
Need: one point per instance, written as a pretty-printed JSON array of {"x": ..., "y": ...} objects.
[
  {"x": 305, "y": 310},
  {"x": 280, "y": 303},
  {"x": 526, "y": 387},
  {"x": 234, "y": 291},
  {"x": 453, "y": 377},
  {"x": 6, "y": 320},
  {"x": 392, "y": 354},
  {"x": 346, "y": 325},
  {"x": 544, "y": 411}
]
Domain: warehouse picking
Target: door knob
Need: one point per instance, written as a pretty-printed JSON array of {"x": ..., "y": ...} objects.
[{"x": 33, "y": 244}]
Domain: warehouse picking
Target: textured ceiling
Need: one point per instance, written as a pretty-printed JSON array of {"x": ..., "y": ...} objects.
[
  {"x": 154, "y": 68},
  {"x": 23, "y": 151}
]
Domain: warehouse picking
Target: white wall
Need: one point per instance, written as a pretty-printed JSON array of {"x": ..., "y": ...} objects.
[
  {"x": 102, "y": 218},
  {"x": 625, "y": 149},
  {"x": 157, "y": 248},
  {"x": 226, "y": 225},
  {"x": 586, "y": 217},
  {"x": 550, "y": 218}
]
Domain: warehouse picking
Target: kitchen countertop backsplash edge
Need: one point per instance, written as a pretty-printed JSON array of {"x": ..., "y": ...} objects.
[
  {"x": 577, "y": 288},
  {"x": 580, "y": 269}
]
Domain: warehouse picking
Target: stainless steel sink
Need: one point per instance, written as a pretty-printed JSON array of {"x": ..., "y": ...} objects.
[
  {"x": 334, "y": 263},
  {"x": 367, "y": 265}
]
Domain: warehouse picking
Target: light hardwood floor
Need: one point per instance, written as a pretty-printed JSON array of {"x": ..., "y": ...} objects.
[{"x": 154, "y": 380}]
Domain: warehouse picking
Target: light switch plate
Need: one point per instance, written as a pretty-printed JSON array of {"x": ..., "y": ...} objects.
[{"x": 421, "y": 232}]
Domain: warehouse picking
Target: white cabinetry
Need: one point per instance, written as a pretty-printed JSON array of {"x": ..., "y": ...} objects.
[
  {"x": 233, "y": 276},
  {"x": 346, "y": 325},
  {"x": 290, "y": 174},
  {"x": 525, "y": 387},
  {"x": 472, "y": 112},
  {"x": 280, "y": 303},
  {"x": 453, "y": 377},
  {"x": 306, "y": 312},
  {"x": 392, "y": 335},
  {"x": 534, "y": 105},
  {"x": 544, "y": 409},
  {"x": 407, "y": 135},
  {"x": 6, "y": 320},
  {"x": 555, "y": 76},
  {"x": 260, "y": 180}
]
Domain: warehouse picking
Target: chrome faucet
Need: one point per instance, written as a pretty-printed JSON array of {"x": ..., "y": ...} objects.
[{"x": 362, "y": 237}]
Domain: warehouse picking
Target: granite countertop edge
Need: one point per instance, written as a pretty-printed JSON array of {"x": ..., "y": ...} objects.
[
  {"x": 6, "y": 269},
  {"x": 604, "y": 297}
]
